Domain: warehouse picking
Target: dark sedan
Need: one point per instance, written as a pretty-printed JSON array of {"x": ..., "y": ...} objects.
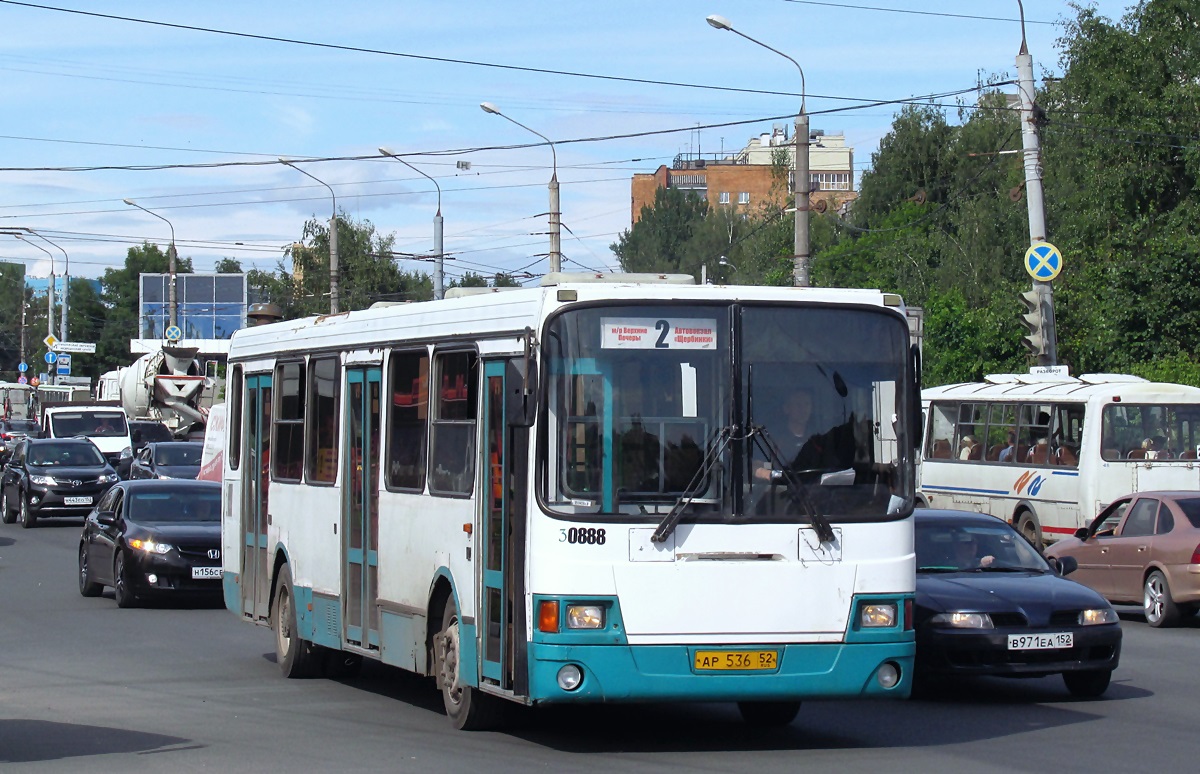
[
  {"x": 53, "y": 477},
  {"x": 151, "y": 539},
  {"x": 168, "y": 459},
  {"x": 989, "y": 604},
  {"x": 12, "y": 431}
]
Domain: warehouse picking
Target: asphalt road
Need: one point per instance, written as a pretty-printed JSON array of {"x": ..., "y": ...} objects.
[{"x": 87, "y": 687}]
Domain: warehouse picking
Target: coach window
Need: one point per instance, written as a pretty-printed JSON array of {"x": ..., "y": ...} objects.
[
  {"x": 321, "y": 448},
  {"x": 941, "y": 430},
  {"x": 1002, "y": 433},
  {"x": 452, "y": 451},
  {"x": 972, "y": 425},
  {"x": 234, "y": 421},
  {"x": 408, "y": 420},
  {"x": 287, "y": 448}
]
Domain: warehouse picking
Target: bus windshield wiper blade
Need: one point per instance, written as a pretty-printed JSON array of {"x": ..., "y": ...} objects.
[
  {"x": 795, "y": 487},
  {"x": 673, "y": 517}
]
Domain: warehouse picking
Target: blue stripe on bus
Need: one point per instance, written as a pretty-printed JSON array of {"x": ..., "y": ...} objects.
[
  {"x": 966, "y": 489},
  {"x": 1063, "y": 473}
]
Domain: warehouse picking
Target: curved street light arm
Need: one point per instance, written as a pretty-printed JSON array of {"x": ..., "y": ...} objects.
[{"x": 393, "y": 156}]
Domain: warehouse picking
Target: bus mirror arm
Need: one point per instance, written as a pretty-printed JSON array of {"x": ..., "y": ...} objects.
[
  {"x": 917, "y": 417},
  {"x": 521, "y": 392}
]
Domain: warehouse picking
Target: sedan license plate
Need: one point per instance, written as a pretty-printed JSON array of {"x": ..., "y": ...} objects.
[
  {"x": 1041, "y": 641},
  {"x": 205, "y": 572},
  {"x": 77, "y": 501},
  {"x": 736, "y": 660}
]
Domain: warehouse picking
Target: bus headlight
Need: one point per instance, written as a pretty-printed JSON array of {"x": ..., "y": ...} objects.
[
  {"x": 878, "y": 615},
  {"x": 963, "y": 620},
  {"x": 585, "y": 617}
]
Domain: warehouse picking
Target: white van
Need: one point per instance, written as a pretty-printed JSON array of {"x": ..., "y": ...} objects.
[{"x": 104, "y": 426}]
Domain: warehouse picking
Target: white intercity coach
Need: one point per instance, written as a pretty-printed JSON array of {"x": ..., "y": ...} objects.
[
  {"x": 1047, "y": 451},
  {"x": 583, "y": 492}
]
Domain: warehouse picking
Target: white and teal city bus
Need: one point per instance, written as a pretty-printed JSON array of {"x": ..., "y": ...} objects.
[{"x": 552, "y": 495}]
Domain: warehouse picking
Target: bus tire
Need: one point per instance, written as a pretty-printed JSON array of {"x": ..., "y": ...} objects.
[
  {"x": 769, "y": 714},
  {"x": 1027, "y": 525},
  {"x": 468, "y": 708},
  {"x": 296, "y": 657}
]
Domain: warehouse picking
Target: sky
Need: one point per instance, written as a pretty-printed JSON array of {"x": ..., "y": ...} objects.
[{"x": 191, "y": 123}]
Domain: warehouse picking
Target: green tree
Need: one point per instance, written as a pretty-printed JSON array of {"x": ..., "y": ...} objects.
[
  {"x": 658, "y": 241},
  {"x": 228, "y": 266}
]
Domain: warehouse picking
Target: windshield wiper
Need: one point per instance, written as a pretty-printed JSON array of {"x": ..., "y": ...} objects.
[
  {"x": 796, "y": 489},
  {"x": 715, "y": 447}
]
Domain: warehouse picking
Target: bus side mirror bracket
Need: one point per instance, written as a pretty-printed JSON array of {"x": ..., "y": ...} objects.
[
  {"x": 521, "y": 383},
  {"x": 918, "y": 417}
]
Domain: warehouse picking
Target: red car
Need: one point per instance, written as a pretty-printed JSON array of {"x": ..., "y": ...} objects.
[{"x": 1143, "y": 548}]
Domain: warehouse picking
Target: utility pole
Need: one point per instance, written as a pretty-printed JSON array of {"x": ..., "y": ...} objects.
[{"x": 1047, "y": 348}]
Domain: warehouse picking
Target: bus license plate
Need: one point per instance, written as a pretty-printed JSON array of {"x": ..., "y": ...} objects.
[
  {"x": 736, "y": 660},
  {"x": 205, "y": 572},
  {"x": 1041, "y": 641},
  {"x": 77, "y": 501}
]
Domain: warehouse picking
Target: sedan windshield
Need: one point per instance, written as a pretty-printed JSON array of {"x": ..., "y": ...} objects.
[
  {"x": 174, "y": 506},
  {"x": 65, "y": 454},
  {"x": 962, "y": 547}
]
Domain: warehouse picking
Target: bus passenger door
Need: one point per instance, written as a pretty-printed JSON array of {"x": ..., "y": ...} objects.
[
  {"x": 503, "y": 501},
  {"x": 256, "y": 575},
  {"x": 360, "y": 512}
]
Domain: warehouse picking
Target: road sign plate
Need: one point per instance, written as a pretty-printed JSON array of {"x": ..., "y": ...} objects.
[
  {"x": 174, "y": 333},
  {"x": 50, "y": 341},
  {"x": 35, "y": 381},
  {"x": 63, "y": 371},
  {"x": 64, "y": 360},
  {"x": 23, "y": 367},
  {"x": 1043, "y": 261},
  {"x": 51, "y": 357},
  {"x": 78, "y": 347},
  {"x": 22, "y": 379}
]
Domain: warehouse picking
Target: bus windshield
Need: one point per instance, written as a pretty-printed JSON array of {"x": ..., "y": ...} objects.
[{"x": 747, "y": 412}]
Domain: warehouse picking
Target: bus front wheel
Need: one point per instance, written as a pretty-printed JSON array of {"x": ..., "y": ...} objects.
[
  {"x": 469, "y": 709},
  {"x": 296, "y": 657}
]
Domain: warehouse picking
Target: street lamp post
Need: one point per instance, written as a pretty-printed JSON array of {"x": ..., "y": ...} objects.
[
  {"x": 800, "y": 183},
  {"x": 438, "y": 275},
  {"x": 333, "y": 239},
  {"x": 173, "y": 309},
  {"x": 555, "y": 214}
]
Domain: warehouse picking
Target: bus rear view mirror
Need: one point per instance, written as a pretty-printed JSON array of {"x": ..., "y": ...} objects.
[{"x": 520, "y": 392}]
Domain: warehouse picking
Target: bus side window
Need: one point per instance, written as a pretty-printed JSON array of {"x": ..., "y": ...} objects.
[
  {"x": 321, "y": 446},
  {"x": 456, "y": 408},
  {"x": 407, "y": 420}
]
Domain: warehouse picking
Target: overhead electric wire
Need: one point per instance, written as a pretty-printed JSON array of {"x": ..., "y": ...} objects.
[
  {"x": 925, "y": 99},
  {"x": 850, "y": 6}
]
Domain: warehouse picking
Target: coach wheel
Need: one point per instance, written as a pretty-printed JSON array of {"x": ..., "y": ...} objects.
[{"x": 1027, "y": 525}]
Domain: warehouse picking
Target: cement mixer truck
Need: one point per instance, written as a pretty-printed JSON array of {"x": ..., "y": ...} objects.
[{"x": 169, "y": 386}]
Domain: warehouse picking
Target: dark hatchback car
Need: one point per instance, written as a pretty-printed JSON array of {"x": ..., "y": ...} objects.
[
  {"x": 12, "y": 431},
  {"x": 170, "y": 459},
  {"x": 53, "y": 477},
  {"x": 989, "y": 604},
  {"x": 153, "y": 539}
]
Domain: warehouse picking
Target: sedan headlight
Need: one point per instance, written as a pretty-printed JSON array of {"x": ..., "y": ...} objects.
[
  {"x": 108, "y": 478},
  {"x": 1097, "y": 616},
  {"x": 150, "y": 547},
  {"x": 963, "y": 620},
  {"x": 585, "y": 617},
  {"x": 43, "y": 480}
]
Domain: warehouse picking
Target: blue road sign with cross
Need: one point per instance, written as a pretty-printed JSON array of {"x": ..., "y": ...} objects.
[{"x": 1043, "y": 261}]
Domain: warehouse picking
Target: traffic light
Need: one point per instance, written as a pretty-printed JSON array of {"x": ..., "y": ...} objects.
[{"x": 1032, "y": 320}]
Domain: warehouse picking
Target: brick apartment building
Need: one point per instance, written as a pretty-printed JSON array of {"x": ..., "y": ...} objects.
[{"x": 745, "y": 180}]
